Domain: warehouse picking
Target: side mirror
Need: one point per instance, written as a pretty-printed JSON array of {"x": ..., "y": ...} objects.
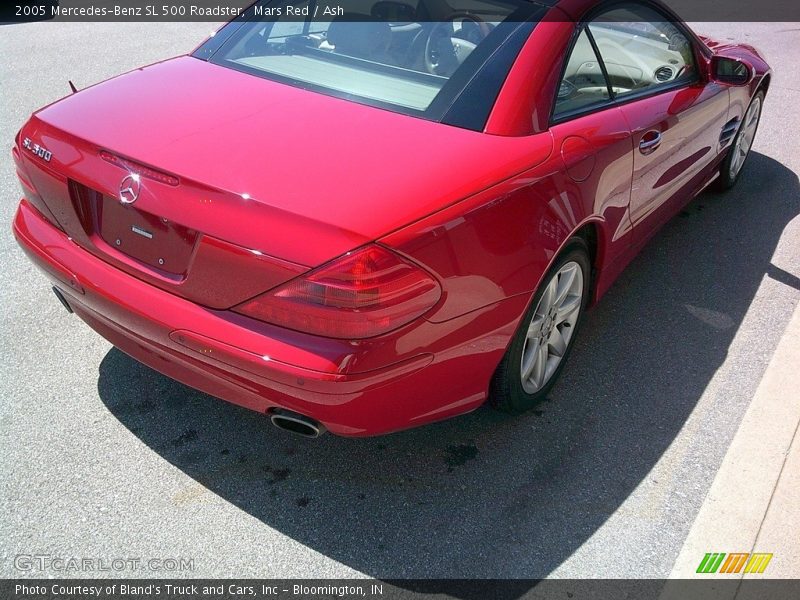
[{"x": 731, "y": 71}]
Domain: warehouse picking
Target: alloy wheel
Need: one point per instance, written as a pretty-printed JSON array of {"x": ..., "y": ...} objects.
[
  {"x": 744, "y": 140},
  {"x": 551, "y": 327}
]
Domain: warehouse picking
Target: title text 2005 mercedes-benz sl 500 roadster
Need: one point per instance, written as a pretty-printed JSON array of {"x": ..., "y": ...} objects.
[{"x": 388, "y": 218}]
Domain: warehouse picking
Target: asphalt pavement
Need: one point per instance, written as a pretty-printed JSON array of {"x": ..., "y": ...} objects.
[{"x": 104, "y": 458}]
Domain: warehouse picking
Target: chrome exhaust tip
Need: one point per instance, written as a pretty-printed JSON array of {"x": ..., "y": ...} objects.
[
  {"x": 296, "y": 423},
  {"x": 61, "y": 299}
]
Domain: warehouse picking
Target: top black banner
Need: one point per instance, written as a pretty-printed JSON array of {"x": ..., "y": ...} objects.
[{"x": 22, "y": 11}]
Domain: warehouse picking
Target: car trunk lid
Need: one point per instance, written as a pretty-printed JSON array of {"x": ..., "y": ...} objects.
[{"x": 244, "y": 182}]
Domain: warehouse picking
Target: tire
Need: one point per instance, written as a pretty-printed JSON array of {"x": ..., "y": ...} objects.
[
  {"x": 510, "y": 391},
  {"x": 731, "y": 168}
]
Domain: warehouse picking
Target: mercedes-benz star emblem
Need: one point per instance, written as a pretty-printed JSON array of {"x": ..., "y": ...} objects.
[{"x": 129, "y": 189}]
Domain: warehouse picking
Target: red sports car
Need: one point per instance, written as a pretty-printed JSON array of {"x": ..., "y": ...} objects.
[{"x": 384, "y": 219}]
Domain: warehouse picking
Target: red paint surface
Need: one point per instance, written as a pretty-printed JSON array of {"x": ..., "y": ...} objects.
[{"x": 275, "y": 181}]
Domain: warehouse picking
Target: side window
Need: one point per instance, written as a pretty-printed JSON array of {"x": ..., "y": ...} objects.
[
  {"x": 642, "y": 50},
  {"x": 583, "y": 85}
]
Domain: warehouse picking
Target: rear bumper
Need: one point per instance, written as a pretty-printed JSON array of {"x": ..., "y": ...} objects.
[{"x": 261, "y": 366}]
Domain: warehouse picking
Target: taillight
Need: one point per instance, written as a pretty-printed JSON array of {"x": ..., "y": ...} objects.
[
  {"x": 363, "y": 294},
  {"x": 29, "y": 191}
]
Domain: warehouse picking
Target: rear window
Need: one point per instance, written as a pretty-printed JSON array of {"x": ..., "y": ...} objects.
[{"x": 411, "y": 57}]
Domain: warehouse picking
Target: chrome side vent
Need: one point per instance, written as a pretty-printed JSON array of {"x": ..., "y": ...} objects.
[
  {"x": 728, "y": 131},
  {"x": 664, "y": 74}
]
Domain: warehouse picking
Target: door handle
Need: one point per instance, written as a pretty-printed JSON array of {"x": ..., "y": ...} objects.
[{"x": 650, "y": 141}]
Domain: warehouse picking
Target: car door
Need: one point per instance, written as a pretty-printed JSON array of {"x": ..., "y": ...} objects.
[
  {"x": 594, "y": 140},
  {"x": 675, "y": 116}
]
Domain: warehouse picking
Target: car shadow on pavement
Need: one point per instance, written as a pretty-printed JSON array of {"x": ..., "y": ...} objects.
[{"x": 487, "y": 495}]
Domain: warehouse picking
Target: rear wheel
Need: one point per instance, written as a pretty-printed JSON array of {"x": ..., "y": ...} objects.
[
  {"x": 734, "y": 162},
  {"x": 546, "y": 334}
]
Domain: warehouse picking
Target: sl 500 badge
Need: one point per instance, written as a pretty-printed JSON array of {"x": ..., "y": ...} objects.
[{"x": 38, "y": 150}]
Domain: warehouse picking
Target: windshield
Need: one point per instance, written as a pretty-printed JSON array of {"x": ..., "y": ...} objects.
[{"x": 414, "y": 57}]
